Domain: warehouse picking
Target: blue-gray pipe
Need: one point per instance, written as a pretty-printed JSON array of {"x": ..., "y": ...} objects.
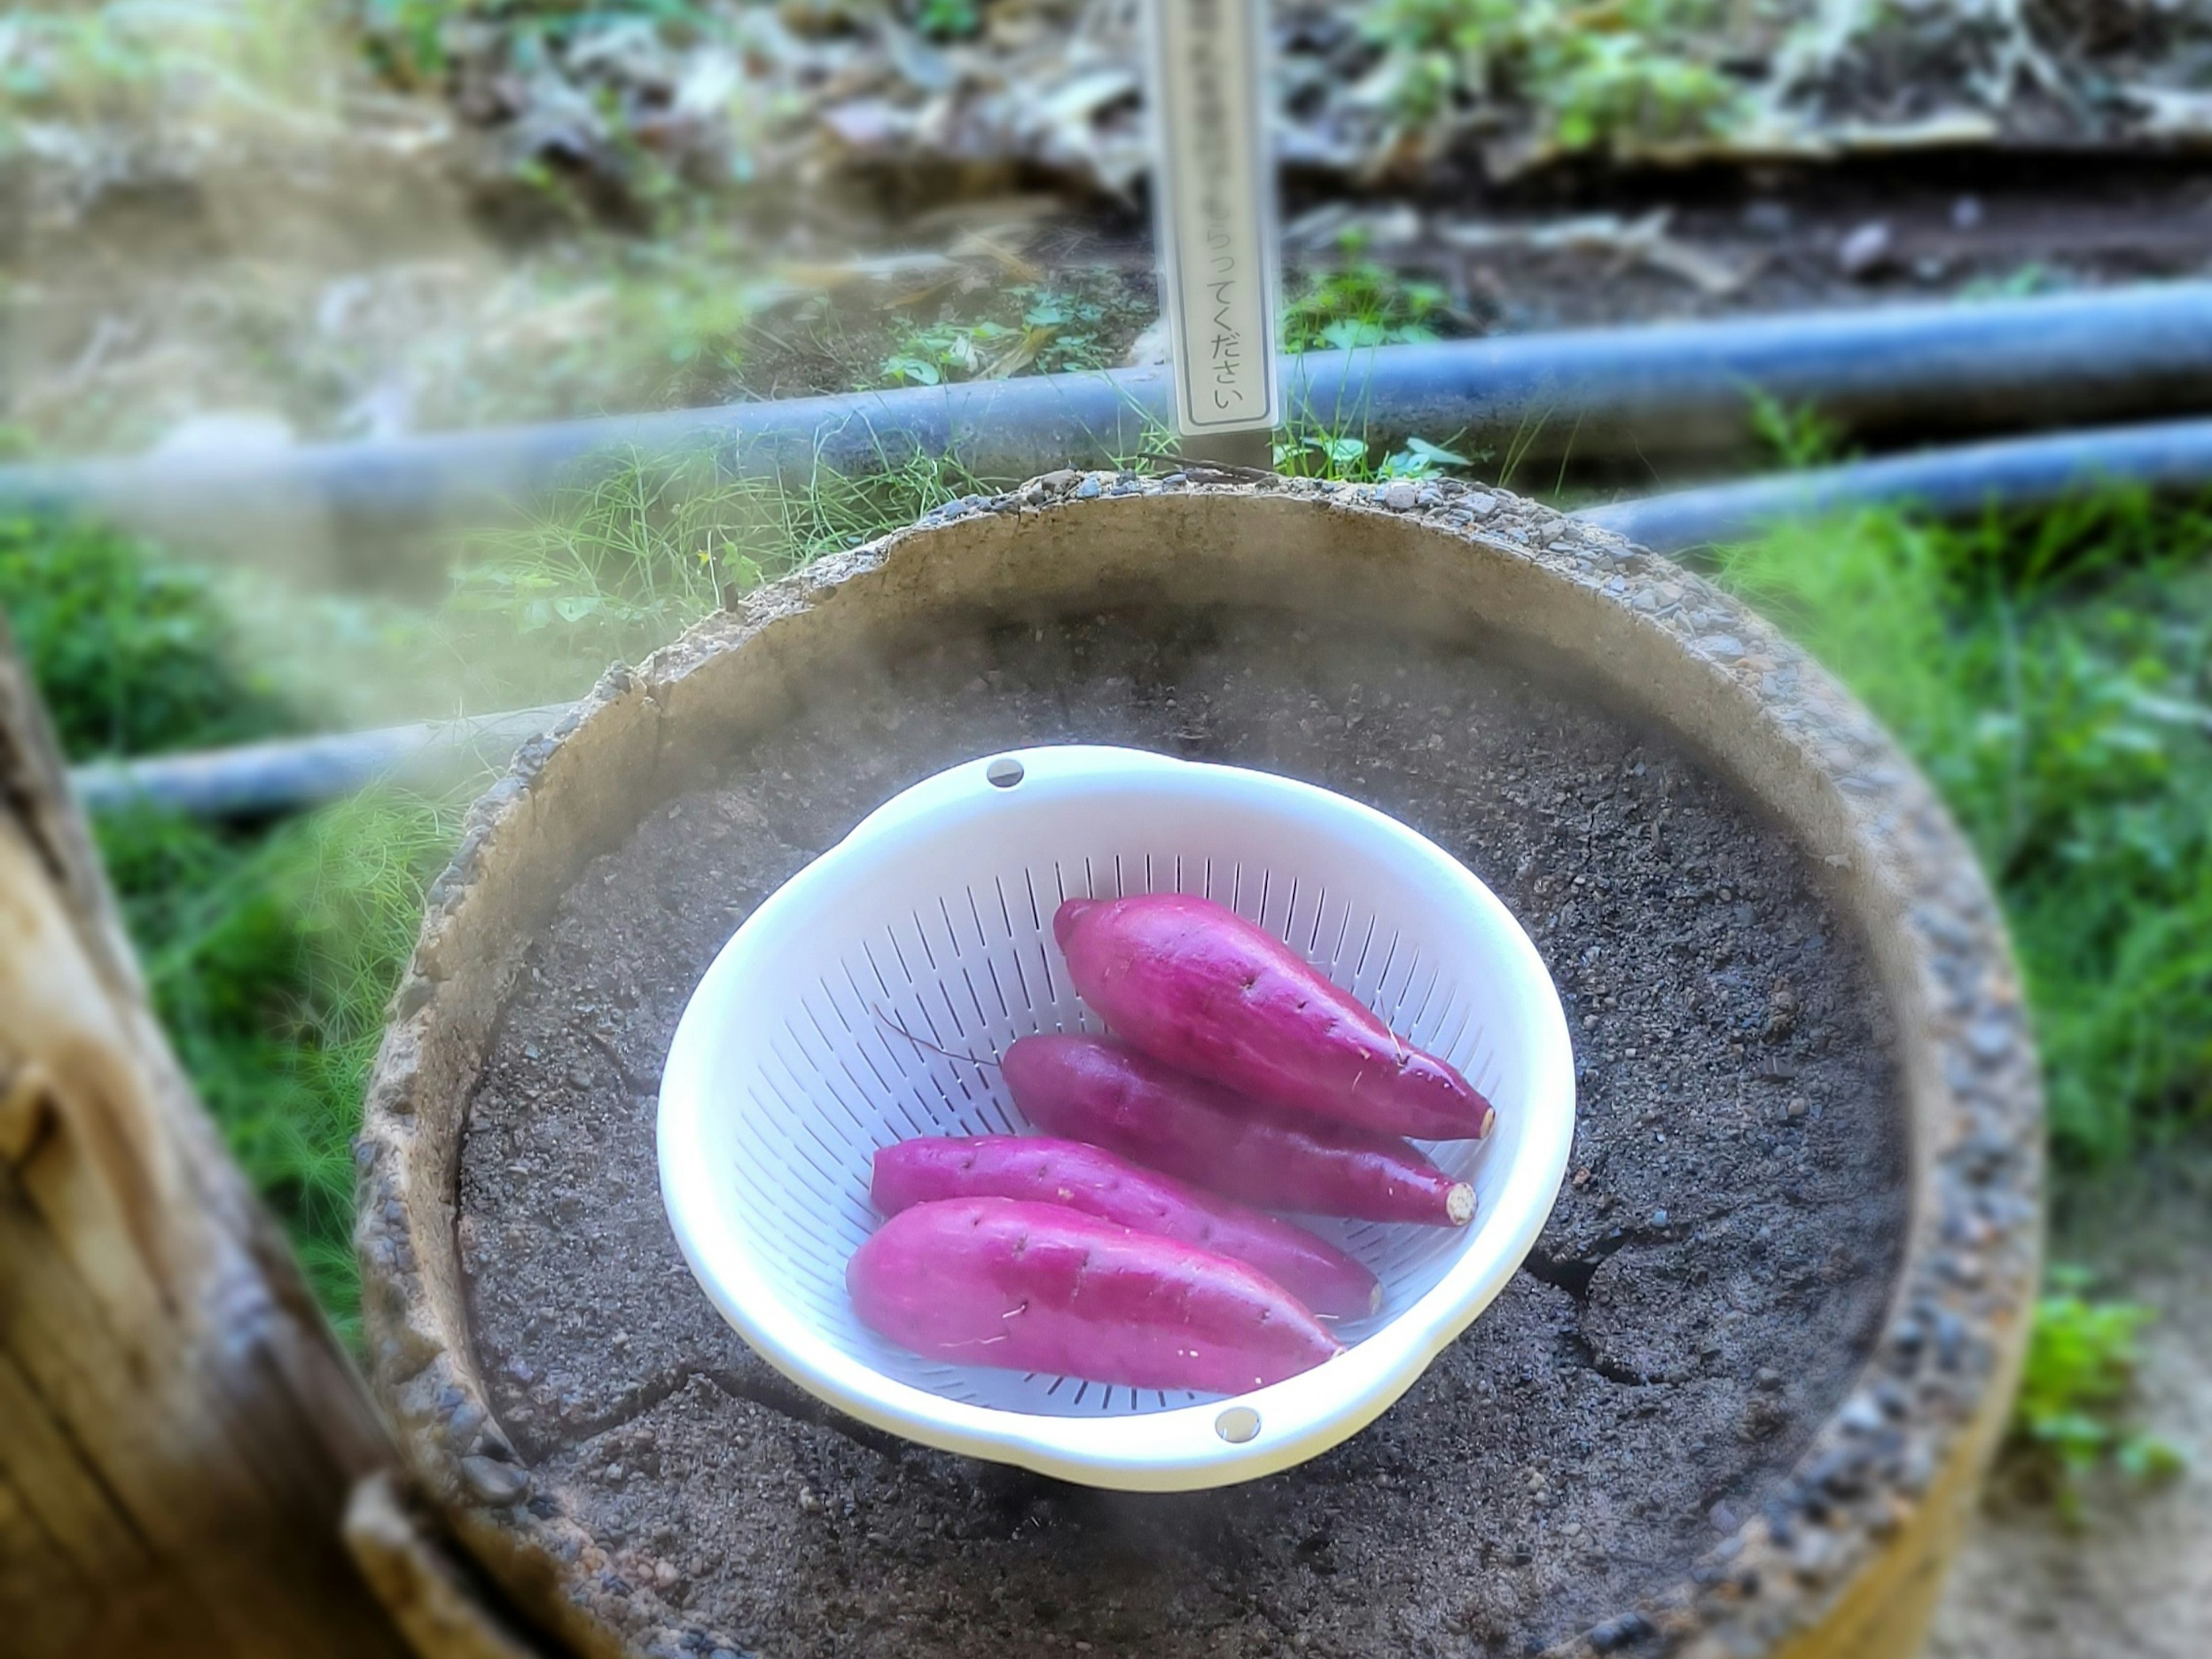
[
  {"x": 2016, "y": 474},
  {"x": 261, "y": 778},
  {"x": 2021, "y": 474},
  {"x": 1880, "y": 375}
]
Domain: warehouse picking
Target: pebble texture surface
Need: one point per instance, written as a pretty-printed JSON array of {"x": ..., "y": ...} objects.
[
  {"x": 1709, "y": 1286},
  {"x": 1815, "y": 1555}
]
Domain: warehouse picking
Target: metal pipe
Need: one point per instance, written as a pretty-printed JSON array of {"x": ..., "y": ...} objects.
[
  {"x": 1669, "y": 390},
  {"x": 2019, "y": 474},
  {"x": 2016, "y": 474},
  {"x": 255, "y": 780}
]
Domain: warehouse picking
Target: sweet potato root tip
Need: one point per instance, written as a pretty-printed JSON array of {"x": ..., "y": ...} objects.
[
  {"x": 1064, "y": 920},
  {"x": 1090, "y": 1089}
]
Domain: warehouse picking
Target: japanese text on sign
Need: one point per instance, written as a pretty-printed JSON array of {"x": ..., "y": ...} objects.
[{"x": 1213, "y": 195}]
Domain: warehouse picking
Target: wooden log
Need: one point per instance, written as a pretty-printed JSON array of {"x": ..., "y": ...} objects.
[
  {"x": 438, "y": 1606},
  {"x": 179, "y": 1430}
]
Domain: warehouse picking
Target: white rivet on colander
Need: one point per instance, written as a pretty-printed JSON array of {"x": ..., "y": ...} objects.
[
  {"x": 1005, "y": 771},
  {"x": 1237, "y": 1425}
]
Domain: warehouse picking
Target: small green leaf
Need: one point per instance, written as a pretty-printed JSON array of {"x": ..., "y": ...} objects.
[
  {"x": 1435, "y": 454},
  {"x": 2148, "y": 1458}
]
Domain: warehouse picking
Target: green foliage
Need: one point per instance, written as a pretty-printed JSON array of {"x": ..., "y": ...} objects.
[
  {"x": 615, "y": 564},
  {"x": 1420, "y": 458},
  {"x": 1615, "y": 75},
  {"x": 133, "y": 655},
  {"x": 1348, "y": 458},
  {"x": 1051, "y": 330},
  {"x": 2071, "y": 1418},
  {"x": 1360, "y": 303},
  {"x": 270, "y": 956},
  {"x": 948, "y": 20},
  {"x": 1798, "y": 438},
  {"x": 404, "y": 40},
  {"x": 2031, "y": 278},
  {"x": 2054, "y": 682},
  {"x": 269, "y": 953}
]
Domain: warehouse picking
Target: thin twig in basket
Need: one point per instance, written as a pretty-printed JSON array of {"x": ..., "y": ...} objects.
[{"x": 924, "y": 1042}]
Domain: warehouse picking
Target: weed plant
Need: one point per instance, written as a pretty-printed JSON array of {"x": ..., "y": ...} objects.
[
  {"x": 1625, "y": 76},
  {"x": 2073, "y": 1420},
  {"x": 2054, "y": 682}
]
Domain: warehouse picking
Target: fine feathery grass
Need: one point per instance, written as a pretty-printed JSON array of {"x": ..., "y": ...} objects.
[
  {"x": 271, "y": 958},
  {"x": 2052, "y": 681},
  {"x": 619, "y": 560}
]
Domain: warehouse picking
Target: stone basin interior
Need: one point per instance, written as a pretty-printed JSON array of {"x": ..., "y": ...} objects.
[{"x": 1711, "y": 1283}]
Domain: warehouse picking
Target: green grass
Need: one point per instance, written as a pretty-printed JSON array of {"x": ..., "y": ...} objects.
[
  {"x": 1028, "y": 328},
  {"x": 2073, "y": 1419},
  {"x": 1358, "y": 303},
  {"x": 610, "y": 566},
  {"x": 270, "y": 957},
  {"x": 2052, "y": 681},
  {"x": 269, "y": 951},
  {"x": 1621, "y": 75}
]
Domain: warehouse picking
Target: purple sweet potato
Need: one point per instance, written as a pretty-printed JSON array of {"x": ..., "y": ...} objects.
[
  {"x": 1192, "y": 983},
  {"x": 1088, "y": 1088},
  {"x": 1097, "y": 1182},
  {"x": 1040, "y": 1287}
]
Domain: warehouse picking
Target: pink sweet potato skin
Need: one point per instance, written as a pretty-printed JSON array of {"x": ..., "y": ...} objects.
[
  {"x": 1048, "y": 1171},
  {"x": 1191, "y": 982},
  {"x": 1088, "y": 1088},
  {"x": 1040, "y": 1287}
]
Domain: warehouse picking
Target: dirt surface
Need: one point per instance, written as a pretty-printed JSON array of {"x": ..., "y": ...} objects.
[
  {"x": 1709, "y": 1283},
  {"x": 394, "y": 312},
  {"x": 2135, "y": 1576},
  {"x": 1798, "y": 240}
]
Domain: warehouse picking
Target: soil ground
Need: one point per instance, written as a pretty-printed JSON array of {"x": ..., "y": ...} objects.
[
  {"x": 2134, "y": 1577},
  {"x": 379, "y": 319},
  {"x": 1706, "y": 1291}
]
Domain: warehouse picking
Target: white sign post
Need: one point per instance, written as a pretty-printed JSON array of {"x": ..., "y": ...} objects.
[{"x": 1213, "y": 199}]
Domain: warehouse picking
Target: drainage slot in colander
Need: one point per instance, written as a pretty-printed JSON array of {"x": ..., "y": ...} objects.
[{"x": 866, "y": 1001}]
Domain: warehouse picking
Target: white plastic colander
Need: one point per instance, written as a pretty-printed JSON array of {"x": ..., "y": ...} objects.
[{"x": 793, "y": 1065}]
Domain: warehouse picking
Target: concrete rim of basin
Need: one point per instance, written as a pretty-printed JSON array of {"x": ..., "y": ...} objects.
[{"x": 1849, "y": 1561}]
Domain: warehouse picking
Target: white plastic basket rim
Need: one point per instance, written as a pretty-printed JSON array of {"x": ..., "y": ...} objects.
[{"x": 765, "y": 1181}]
